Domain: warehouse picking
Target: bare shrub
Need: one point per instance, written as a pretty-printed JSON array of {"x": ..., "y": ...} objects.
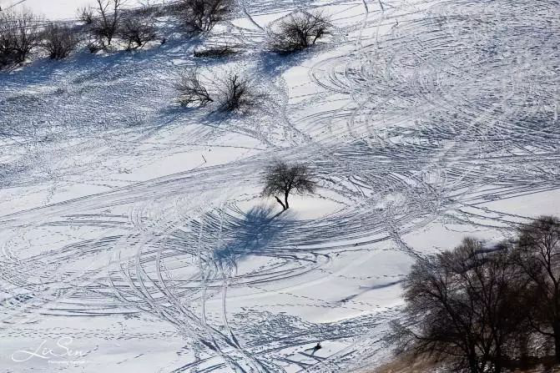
[
  {"x": 191, "y": 90},
  {"x": 202, "y": 15},
  {"x": 19, "y": 35},
  {"x": 283, "y": 179},
  {"x": 237, "y": 94},
  {"x": 298, "y": 31},
  {"x": 137, "y": 31},
  {"x": 216, "y": 52},
  {"x": 85, "y": 15},
  {"x": 231, "y": 92},
  {"x": 106, "y": 24},
  {"x": 7, "y": 53},
  {"x": 59, "y": 41}
]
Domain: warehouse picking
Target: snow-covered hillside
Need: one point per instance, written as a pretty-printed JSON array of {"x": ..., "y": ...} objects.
[
  {"x": 133, "y": 231},
  {"x": 63, "y": 9}
]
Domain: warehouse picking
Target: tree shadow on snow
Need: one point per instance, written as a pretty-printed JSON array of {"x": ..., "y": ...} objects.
[
  {"x": 256, "y": 233},
  {"x": 365, "y": 289},
  {"x": 275, "y": 64},
  {"x": 85, "y": 66}
]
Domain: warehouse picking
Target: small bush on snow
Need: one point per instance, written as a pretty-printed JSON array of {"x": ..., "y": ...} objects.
[
  {"x": 231, "y": 93},
  {"x": 19, "y": 35},
  {"x": 202, "y": 15},
  {"x": 191, "y": 90},
  {"x": 85, "y": 15},
  {"x": 237, "y": 94},
  {"x": 216, "y": 52},
  {"x": 298, "y": 31},
  {"x": 59, "y": 41},
  {"x": 137, "y": 31}
]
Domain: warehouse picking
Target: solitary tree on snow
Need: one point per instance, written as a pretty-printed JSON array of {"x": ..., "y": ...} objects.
[{"x": 282, "y": 179}]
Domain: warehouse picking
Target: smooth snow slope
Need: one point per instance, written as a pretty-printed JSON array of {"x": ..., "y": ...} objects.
[{"x": 133, "y": 232}]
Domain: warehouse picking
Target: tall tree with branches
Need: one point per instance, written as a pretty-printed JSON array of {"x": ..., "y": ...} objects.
[
  {"x": 468, "y": 306},
  {"x": 538, "y": 254},
  {"x": 106, "y": 24},
  {"x": 283, "y": 179}
]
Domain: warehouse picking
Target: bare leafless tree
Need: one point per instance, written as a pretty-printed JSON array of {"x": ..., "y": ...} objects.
[
  {"x": 6, "y": 42},
  {"x": 19, "y": 35},
  {"x": 232, "y": 93},
  {"x": 59, "y": 41},
  {"x": 106, "y": 24},
  {"x": 538, "y": 254},
  {"x": 467, "y": 305},
  {"x": 191, "y": 90},
  {"x": 283, "y": 179},
  {"x": 298, "y": 31},
  {"x": 85, "y": 15},
  {"x": 237, "y": 94},
  {"x": 202, "y": 15},
  {"x": 137, "y": 31}
]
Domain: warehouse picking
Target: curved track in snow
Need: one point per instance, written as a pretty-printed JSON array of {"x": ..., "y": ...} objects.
[{"x": 415, "y": 113}]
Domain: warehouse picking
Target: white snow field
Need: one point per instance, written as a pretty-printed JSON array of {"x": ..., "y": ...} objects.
[
  {"x": 64, "y": 9},
  {"x": 133, "y": 233}
]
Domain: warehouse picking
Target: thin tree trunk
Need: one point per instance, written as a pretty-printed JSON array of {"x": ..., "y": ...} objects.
[
  {"x": 498, "y": 364},
  {"x": 286, "y": 200},
  {"x": 473, "y": 366},
  {"x": 556, "y": 330},
  {"x": 498, "y": 356},
  {"x": 473, "y": 363},
  {"x": 281, "y": 203}
]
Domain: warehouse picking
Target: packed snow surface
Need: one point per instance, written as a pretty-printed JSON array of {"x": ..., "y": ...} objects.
[{"x": 133, "y": 233}]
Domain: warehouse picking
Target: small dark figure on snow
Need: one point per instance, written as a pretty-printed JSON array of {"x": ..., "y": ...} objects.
[{"x": 316, "y": 348}]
